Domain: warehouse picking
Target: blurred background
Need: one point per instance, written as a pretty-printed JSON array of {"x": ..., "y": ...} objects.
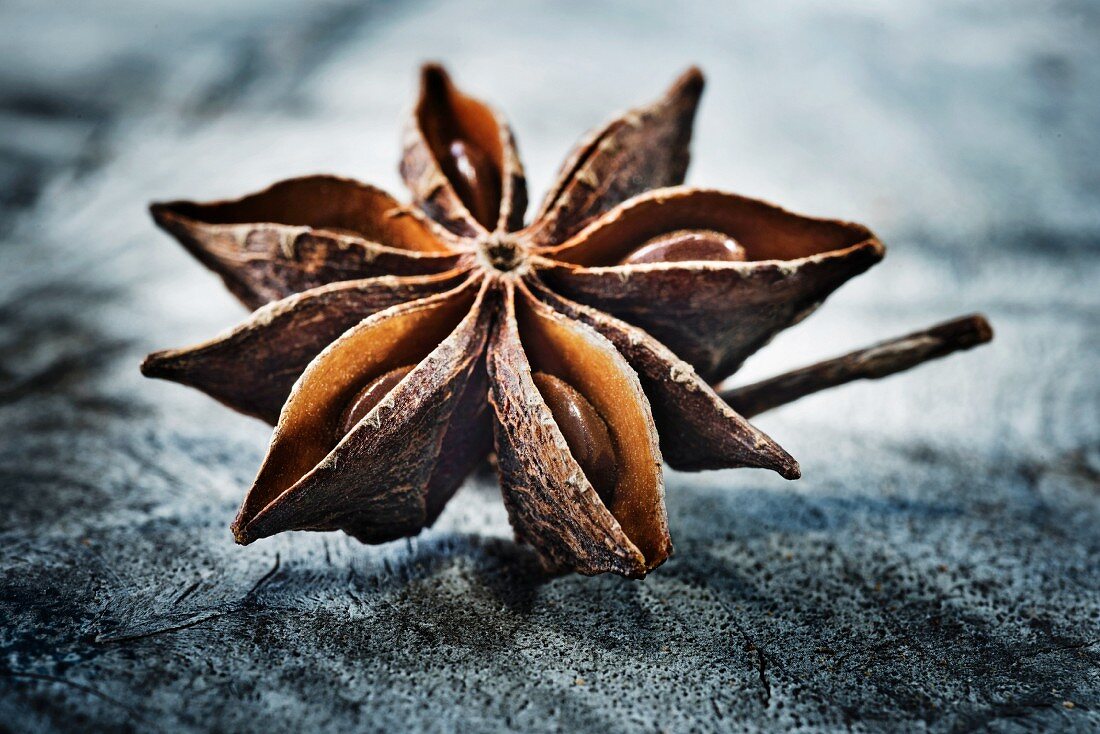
[{"x": 935, "y": 565}]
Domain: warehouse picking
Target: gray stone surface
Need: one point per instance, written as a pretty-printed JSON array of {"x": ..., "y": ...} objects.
[{"x": 936, "y": 568}]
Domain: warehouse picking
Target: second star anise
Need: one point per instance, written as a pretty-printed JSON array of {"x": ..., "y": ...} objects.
[{"x": 395, "y": 346}]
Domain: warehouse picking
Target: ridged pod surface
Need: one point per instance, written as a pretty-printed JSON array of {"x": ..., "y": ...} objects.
[{"x": 395, "y": 346}]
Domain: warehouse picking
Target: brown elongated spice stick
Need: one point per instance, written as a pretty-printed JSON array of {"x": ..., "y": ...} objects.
[{"x": 871, "y": 363}]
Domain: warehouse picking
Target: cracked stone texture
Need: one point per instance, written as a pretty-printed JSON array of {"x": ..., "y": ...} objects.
[{"x": 936, "y": 568}]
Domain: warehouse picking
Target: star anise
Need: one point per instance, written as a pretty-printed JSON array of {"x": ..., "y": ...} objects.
[{"x": 392, "y": 343}]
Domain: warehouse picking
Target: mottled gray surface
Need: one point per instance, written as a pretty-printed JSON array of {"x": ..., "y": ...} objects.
[{"x": 935, "y": 568}]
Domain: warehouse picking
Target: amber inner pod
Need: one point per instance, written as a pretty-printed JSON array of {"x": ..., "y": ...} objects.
[
  {"x": 309, "y": 427},
  {"x": 687, "y": 245},
  {"x": 475, "y": 180},
  {"x": 370, "y": 396},
  {"x": 464, "y": 137},
  {"x": 585, "y": 432},
  {"x": 765, "y": 231},
  {"x": 329, "y": 203},
  {"x": 586, "y": 364}
]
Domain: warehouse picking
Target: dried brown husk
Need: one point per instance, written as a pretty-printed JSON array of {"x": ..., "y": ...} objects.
[
  {"x": 443, "y": 112},
  {"x": 471, "y": 303},
  {"x": 276, "y": 343},
  {"x": 711, "y": 314},
  {"x": 698, "y": 430},
  {"x": 642, "y": 149},
  {"x": 551, "y": 504},
  {"x": 306, "y": 232},
  {"x": 372, "y": 483},
  {"x": 467, "y": 442}
]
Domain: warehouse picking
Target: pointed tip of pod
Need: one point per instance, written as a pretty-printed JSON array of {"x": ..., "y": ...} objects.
[
  {"x": 158, "y": 364},
  {"x": 164, "y": 213},
  {"x": 864, "y": 253},
  {"x": 775, "y": 457},
  {"x": 790, "y": 469},
  {"x": 690, "y": 83},
  {"x": 241, "y": 536},
  {"x": 168, "y": 364},
  {"x": 433, "y": 73},
  {"x": 860, "y": 256}
]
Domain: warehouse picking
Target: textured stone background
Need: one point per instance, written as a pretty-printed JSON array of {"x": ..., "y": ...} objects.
[{"x": 936, "y": 568}]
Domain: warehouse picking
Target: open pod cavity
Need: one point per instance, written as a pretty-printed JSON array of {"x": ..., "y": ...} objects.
[
  {"x": 372, "y": 478},
  {"x": 712, "y": 314},
  {"x": 277, "y": 341},
  {"x": 460, "y": 160},
  {"x": 551, "y": 502},
  {"x": 306, "y": 232},
  {"x": 698, "y": 430}
]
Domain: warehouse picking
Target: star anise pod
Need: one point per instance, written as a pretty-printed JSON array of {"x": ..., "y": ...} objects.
[{"x": 391, "y": 344}]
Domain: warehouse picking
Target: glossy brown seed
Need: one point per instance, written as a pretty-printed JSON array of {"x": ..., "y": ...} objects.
[
  {"x": 370, "y": 396},
  {"x": 475, "y": 179},
  {"x": 585, "y": 432},
  {"x": 686, "y": 245}
]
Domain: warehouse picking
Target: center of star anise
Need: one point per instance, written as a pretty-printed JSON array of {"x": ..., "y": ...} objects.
[{"x": 501, "y": 252}]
